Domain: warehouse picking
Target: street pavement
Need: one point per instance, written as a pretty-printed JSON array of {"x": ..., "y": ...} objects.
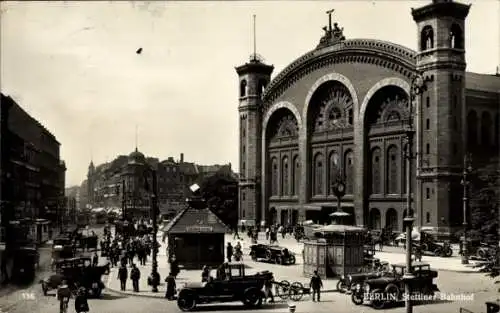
[{"x": 31, "y": 299}]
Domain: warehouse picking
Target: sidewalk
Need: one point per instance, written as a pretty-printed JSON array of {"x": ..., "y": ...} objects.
[
  {"x": 453, "y": 264},
  {"x": 289, "y": 273}
]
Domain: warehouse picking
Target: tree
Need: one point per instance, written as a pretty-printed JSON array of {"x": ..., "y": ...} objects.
[
  {"x": 485, "y": 203},
  {"x": 221, "y": 193}
]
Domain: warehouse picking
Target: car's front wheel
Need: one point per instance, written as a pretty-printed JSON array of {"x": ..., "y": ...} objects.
[
  {"x": 357, "y": 298},
  {"x": 186, "y": 302},
  {"x": 252, "y": 297}
]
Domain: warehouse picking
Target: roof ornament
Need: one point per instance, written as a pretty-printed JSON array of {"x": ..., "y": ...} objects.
[{"x": 333, "y": 34}]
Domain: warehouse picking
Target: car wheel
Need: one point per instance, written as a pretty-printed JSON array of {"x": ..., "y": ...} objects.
[
  {"x": 253, "y": 256},
  {"x": 186, "y": 302},
  {"x": 448, "y": 252},
  {"x": 392, "y": 292},
  {"x": 438, "y": 251},
  {"x": 278, "y": 260},
  {"x": 341, "y": 286},
  {"x": 377, "y": 299},
  {"x": 357, "y": 299},
  {"x": 292, "y": 259},
  {"x": 269, "y": 255},
  {"x": 481, "y": 254},
  {"x": 252, "y": 297}
]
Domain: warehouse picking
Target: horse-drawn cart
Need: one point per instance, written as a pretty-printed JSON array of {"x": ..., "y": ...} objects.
[{"x": 294, "y": 291}]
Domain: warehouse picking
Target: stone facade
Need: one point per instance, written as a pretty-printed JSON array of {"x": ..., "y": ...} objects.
[
  {"x": 32, "y": 172},
  {"x": 344, "y": 108}
]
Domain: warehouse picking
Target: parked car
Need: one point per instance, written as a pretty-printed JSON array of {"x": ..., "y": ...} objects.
[
  {"x": 275, "y": 254},
  {"x": 236, "y": 286},
  {"x": 379, "y": 292},
  {"x": 347, "y": 282}
]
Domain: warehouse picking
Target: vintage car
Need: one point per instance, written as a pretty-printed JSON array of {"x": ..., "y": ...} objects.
[
  {"x": 235, "y": 286},
  {"x": 347, "y": 282},
  {"x": 26, "y": 260},
  {"x": 381, "y": 291},
  {"x": 269, "y": 253},
  {"x": 78, "y": 272}
]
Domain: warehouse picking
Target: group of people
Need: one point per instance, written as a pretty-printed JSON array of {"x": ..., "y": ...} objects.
[
  {"x": 235, "y": 252},
  {"x": 64, "y": 294}
]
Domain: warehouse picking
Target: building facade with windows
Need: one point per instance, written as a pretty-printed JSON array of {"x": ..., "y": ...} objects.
[
  {"x": 342, "y": 110},
  {"x": 127, "y": 182},
  {"x": 32, "y": 172}
]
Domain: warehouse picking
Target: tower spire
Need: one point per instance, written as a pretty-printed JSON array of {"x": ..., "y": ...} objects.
[
  {"x": 136, "y": 138},
  {"x": 254, "y": 37}
]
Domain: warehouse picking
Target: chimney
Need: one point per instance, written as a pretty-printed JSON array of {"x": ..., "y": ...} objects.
[{"x": 182, "y": 158}]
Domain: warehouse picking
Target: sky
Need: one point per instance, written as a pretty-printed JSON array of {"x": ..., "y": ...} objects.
[{"x": 74, "y": 67}]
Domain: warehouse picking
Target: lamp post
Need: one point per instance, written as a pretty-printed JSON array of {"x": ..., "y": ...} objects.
[
  {"x": 417, "y": 87},
  {"x": 465, "y": 201},
  {"x": 338, "y": 189},
  {"x": 154, "y": 278}
]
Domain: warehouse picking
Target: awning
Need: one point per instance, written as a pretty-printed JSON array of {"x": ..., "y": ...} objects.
[
  {"x": 320, "y": 205},
  {"x": 246, "y": 223}
]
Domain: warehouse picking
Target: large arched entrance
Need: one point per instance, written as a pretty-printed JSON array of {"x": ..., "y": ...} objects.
[
  {"x": 386, "y": 116},
  {"x": 282, "y": 161},
  {"x": 273, "y": 216},
  {"x": 391, "y": 220},
  {"x": 374, "y": 219},
  {"x": 330, "y": 120}
]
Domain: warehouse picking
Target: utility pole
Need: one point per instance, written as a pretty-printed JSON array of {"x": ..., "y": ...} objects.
[{"x": 465, "y": 206}]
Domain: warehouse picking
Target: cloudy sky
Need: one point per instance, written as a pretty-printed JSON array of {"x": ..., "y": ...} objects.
[{"x": 73, "y": 66}]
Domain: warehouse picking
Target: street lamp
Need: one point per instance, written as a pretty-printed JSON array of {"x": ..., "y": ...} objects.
[
  {"x": 154, "y": 278},
  {"x": 465, "y": 201},
  {"x": 338, "y": 189},
  {"x": 417, "y": 87}
]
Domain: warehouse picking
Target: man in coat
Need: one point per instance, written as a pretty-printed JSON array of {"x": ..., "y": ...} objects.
[
  {"x": 316, "y": 284},
  {"x": 229, "y": 252},
  {"x": 135, "y": 275},
  {"x": 122, "y": 276},
  {"x": 171, "y": 286}
]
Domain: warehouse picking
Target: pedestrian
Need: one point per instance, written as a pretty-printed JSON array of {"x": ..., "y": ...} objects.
[
  {"x": 171, "y": 287},
  {"x": 418, "y": 253},
  {"x": 122, "y": 276},
  {"x": 174, "y": 266},
  {"x": 95, "y": 259},
  {"x": 135, "y": 275},
  {"x": 268, "y": 290},
  {"x": 316, "y": 284},
  {"x": 205, "y": 274},
  {"x": 268, "y": 232},
  {"x": 229, "y": 252},
  {"x": 81, "y": 303}
]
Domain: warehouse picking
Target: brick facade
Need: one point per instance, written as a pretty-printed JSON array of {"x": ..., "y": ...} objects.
[{"x": 343, "y": 109}]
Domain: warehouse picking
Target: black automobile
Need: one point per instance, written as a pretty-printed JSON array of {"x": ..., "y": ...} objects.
[
  {"x": 234, "y": 286},
  {"x": 347, "y": 282},
  {"x": 271, "y": 253},
  {"x": 381, "y": 291}
]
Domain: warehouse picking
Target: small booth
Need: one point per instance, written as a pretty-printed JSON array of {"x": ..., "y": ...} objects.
[
  {"x": 196, "y": 237},
  {"x": 42, "y": 227},
  {"x": 336, "y": 250}
]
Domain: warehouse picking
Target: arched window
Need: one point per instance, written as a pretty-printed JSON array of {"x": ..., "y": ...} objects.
[
  {"x": 427, "y": 38},
  {"x": 261, "y": 87},
  {"x": 349, "y": 172},
  {"x": 471, "y": 129},
  {"x": 274, "y": 177},
  {"x": 486, "y": 129},
  {"x": 333, "y": 169},
  {"x": 296, "y": 175},
  {"x": 392, "y": 170},
  {"x": 456, "y": 37},
  {"x": 497, "y": 130},
  {"x": 376, "y": 163},
  {"x": 318, "y": 174},
  {"x": 284, "y": 177},
  {"x": 243, "y": 88}
]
